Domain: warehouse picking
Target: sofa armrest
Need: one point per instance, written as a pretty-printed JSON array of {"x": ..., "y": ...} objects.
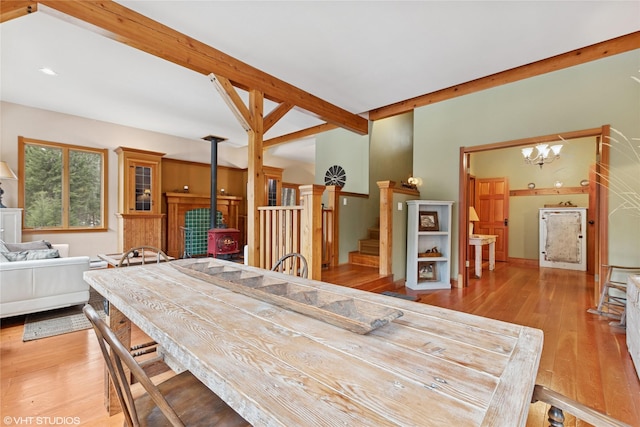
[
  {"x": 63, "y": 249},
  {"x": 41, "y": 263}
]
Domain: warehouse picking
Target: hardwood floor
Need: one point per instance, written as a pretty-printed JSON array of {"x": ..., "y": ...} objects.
[{"x": 583, "y": 358}]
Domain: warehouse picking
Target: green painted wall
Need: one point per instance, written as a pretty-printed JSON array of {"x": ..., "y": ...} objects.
[
  {"x": 348, "y": 150},
  {"x": 385, "y": 154},
  {"x": 572, "y": 167},
  {"x": 582, "y": 97},
  {"x": 351, "y": 152}
]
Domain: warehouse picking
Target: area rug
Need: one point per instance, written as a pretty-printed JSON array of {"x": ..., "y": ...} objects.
[
  {"x": 397, "y": 295},
  {"x": 61, "y": 321}
]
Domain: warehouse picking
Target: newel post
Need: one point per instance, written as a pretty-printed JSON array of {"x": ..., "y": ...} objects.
[
  {"x": 333, "y": 238},
  {"x": 311, "y": 228},
  {"x": 386, "y": 226}
]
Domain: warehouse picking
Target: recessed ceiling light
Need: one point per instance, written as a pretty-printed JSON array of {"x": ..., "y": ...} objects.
[{"x": 48, "y": 71}]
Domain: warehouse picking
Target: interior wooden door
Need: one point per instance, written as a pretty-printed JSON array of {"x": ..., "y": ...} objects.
[{"x": 492, "y": 205}]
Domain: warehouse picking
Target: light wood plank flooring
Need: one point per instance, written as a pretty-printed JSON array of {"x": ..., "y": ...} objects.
[{"x": 583, "y": 357}]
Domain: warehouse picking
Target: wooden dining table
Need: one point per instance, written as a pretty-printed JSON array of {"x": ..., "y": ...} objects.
[{"x": 278, "y": 366}]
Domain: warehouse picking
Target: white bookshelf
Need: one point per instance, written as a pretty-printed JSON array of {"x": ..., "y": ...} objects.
[{"x": 425, "y": 272}]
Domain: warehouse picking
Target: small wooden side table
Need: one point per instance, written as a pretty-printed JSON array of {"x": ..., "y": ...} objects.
[{"x": 478, "y": 240}]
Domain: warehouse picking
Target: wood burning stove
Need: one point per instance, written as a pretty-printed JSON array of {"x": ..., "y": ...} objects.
[{"x": 223, "y": 241}]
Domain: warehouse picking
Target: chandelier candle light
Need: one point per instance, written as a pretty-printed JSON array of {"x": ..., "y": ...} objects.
[{"x": 544, "y": 154}]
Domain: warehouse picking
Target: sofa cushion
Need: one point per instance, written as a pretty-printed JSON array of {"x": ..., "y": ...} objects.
[
  {"x": 27, "y": 246},
  {"x": 32, "y": 255}
]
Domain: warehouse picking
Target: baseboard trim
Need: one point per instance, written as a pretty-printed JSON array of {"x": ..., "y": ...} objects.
[{"x": 524, "y": 262}]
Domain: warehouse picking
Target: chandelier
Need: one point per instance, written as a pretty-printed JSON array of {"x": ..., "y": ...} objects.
[{"x": 544, "y": 154}]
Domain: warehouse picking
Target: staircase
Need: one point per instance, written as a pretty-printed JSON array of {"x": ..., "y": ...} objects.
[{"x": 368, "y": 253}]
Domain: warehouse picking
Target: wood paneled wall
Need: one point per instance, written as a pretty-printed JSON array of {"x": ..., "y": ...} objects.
[{"x": 178, "y": 173}]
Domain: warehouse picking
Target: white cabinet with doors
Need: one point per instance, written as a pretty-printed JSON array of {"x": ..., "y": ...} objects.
[
  {"x": 563, "y": 238},
  {"x": 429, "y": 244},
  {"x": 11, "y": 225}
]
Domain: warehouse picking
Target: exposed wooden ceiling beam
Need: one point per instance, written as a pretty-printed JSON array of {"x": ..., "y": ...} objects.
[
  {"x": 14, "y": 9},
  {"x": 558, "y": 62},
  {"x": 298, "y": 135},
  {"x": 276, "y": 114},
  {"x": 127, "y": 26}
]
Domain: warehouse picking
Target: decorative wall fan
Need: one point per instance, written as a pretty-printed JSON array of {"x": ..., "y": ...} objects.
[{"x": 335, "y": 175}]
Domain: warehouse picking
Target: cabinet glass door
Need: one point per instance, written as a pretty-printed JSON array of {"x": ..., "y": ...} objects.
[{"x": 143, "y": 188}]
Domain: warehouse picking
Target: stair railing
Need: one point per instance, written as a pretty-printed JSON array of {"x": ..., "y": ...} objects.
[
  {"x": 279, "y": 233},
  {"x": 308, "y": 229}
]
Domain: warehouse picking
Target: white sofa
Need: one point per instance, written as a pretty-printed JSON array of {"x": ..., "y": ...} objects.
[{"x": 44, "y": 284}]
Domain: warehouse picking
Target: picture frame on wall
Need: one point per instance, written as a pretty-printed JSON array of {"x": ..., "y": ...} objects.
[
  {"x": 428, "y": 221},
  {"x": 427, "y": 271}
]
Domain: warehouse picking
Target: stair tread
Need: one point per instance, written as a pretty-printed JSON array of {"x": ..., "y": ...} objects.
[{"x": 359, "y": 258}]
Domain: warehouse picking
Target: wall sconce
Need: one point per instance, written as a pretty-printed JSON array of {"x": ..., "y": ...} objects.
[
  {"x": 544, "y": 154},
  {"x": 414, "y": 180},
  {"x": 5, "y": 173},
  {"x": 473, "y": 216}
]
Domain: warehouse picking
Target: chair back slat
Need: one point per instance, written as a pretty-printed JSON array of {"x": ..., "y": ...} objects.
[
  {"x": 120, "y": 355},
  {"x": 139, "y": 252},
  {"x": 293, "y": 263}
]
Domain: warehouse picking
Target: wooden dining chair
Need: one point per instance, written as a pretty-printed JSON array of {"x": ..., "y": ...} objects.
[
  {"x": 144, "y": 254},
  {"x": 181, "y": 400},
  {"x": 293, "y": 263}
]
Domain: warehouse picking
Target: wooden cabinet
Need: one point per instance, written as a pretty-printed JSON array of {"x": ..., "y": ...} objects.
[
  {"x": 429, "y": 244},
  {"x": 11, "y": 225},
  {"x": 139, "y": 186},
  {"x": 139, "y": 198}
]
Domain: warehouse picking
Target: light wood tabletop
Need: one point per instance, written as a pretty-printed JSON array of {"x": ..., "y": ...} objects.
[{"x": 278, "y": 367}]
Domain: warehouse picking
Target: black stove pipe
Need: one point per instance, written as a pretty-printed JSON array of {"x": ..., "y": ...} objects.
[{"x": 214, "y": 140}]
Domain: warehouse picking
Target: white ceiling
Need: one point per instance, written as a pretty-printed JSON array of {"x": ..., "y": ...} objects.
[{"x": 358, "y": 55}]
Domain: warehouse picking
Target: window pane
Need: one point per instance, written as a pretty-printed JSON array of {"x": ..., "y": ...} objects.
[
  {"x": 272, "y": 185},
  {"x": 85, "y": 189},
  {"x": 43, "y": 186},
  {"x": 64, "y": 186}
]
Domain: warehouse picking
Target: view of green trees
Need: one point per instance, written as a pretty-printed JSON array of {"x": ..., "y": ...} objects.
[{"x": 46, "y": 197}]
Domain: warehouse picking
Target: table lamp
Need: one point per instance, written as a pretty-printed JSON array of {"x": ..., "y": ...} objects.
[
  {"x": 473, "y": 216},
  {"x": 5, "y": 173}
]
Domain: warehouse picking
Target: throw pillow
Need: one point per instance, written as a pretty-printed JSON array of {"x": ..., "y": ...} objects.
[
  {"x": 3, "y": 258},
  {"x": 27, "y": 246},
  {"x": 32, "y": 255}
]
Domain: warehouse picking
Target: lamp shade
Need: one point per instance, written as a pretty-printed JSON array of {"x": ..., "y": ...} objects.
[
  {"x": 473, "y": 215},
  {"x": 6, "y": 172}
]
